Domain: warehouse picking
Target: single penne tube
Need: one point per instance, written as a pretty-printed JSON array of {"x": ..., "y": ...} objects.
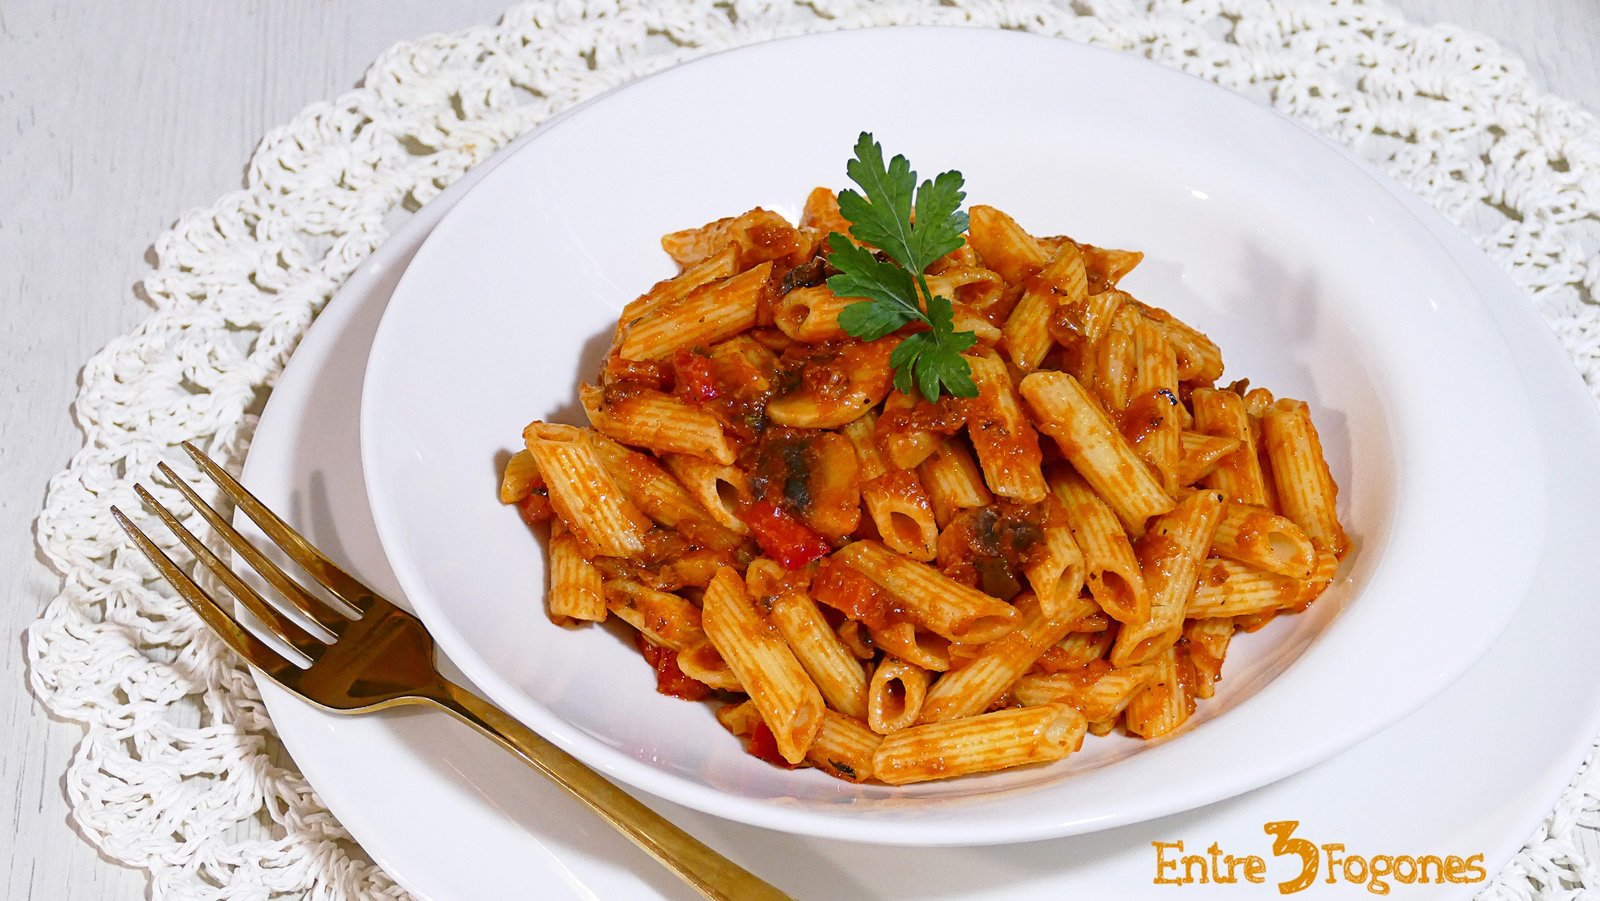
[
  {"x": 844, "y": 747},
  {"x": 1198, "y": 357},
  {"x": 1257, "y": 537},
  {"x": 1006, "y": 443},
  {"x": 1027, "y": 329},
  {"x": 701, "y": 662},
  {"x": 1003, "y": 245},
  {"x": 577, "y": 590},
  {"x": 1095, "y": 449},
  {"x": 519, "y": 477},
  {"x": 1256, "y": 403},
  {"x": 583, "y": 494},
  {"x": 836, "y": 672},
  {"x": 702, "y": 317},
  {"x": 811, "y": 315},
  {"x": 905, "y": 447},
  {"x": 1306, "y": 490},
  {"x": 1152, "y": 421},
  {"x": 1056, "y": 572},
  {"x": 1116, "y": 361},
  {"x": 784, "y": 694},
  {"x": 899, "y": 506},
  {"x": 1238, "y": 475},
  {"x": 978, "y": 683},
  {"x": 821, "y": 212},
  {"x": 664, "y": 618},
  {"x": 1080, "y": 648},
  {"x": 933, "y": 599},
  {"x": 902, "y": 513},
  {"x": 1201, "y": 455},
  {"x": 971, "y": 287},
  {"x": 661, "y": 422},
  {"x": 1165, "y": 703},
  {"x": 895, "y": 695},
  {"x": 1170, "y": 555},
  {"x": 863, "y": 435},
  {"x": 1110, "y": 568},
  {"x": 1227, "y": 588},
  {"x": 1079, "y": 326},
  {"x": 1207, "y": 644},
  {"x": 910, "y": 643},
  {"x": 716, "y": 267},
  {"x": 1107, "y": 265},
  {"x": 1100, "y": 691},
  {"x": 1007, "y": 738},
  {"x": 660, "y": 496},
  {"x": 758, "y": 235},
  {"x": 1321, "y": 577},
  {"x": 859, "y": 641},
  {"x": 953, "y": 481},
  {"x": 719, "y": 488}
]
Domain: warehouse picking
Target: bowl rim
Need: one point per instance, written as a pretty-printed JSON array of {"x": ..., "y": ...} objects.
[{"x": 765, "y": 812}]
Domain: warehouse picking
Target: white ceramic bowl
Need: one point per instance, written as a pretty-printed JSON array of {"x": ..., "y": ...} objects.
[{"x": 1312, "y": 278}]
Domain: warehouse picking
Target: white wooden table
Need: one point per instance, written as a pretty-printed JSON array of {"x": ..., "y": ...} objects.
[{"x": 115, "y": 118}]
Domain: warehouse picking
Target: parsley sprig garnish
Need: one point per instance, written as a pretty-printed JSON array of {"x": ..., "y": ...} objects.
[{"x": 893, "y": 295}]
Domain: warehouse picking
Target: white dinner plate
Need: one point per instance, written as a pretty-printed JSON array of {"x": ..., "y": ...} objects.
[
  {"x": 1312, "y": 277},
  {"x": 451, "y": 817}
]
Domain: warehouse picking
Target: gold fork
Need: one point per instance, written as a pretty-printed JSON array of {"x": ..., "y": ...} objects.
[{"x": 382, "y": 657}]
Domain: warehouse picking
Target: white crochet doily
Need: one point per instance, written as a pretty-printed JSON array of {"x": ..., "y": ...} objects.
[{"x": 178, "y": 753}]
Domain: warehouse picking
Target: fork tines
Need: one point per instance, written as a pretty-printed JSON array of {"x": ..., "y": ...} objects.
[{"x": 354, "y": 596}]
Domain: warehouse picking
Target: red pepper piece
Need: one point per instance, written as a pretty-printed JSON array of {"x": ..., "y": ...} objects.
[
  {"x": 670, "y": 680},
  {"x": 782, "y": 537},
  {"x": 696, "y": 382}
]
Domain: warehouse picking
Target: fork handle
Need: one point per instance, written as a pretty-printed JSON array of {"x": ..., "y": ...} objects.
[{"x": 712, "y": 874}]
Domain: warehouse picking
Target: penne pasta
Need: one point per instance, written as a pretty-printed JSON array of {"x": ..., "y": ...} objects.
[
  {"x": 583, "y": 494},
  {"x": 704, "y": 316},
  {"x": 1099, "y": 691},
  {"x": 664, "y": 618},
  {"x": 895, "y": 695},
  {"x": 1200, "y": 456},
  {"x": 1170, "y": 555},
  {"x": 1306, "y": 491},
  {"x": 971, "y": 689},
  {"x": 844, "y": 747},
  {"x": 785, "y": 696},
  {"x": 577, "y": 591},
  {"x": 720, "y": 489},
  {"x": 1057, "y": 572},
  {"x": 1257, "y": 537},
  {"x": 1167, "y": 701},
  {"x": 977, "y": 744},
  {"x": 660, "y": 422},
  {"x": 943, "y": 606},
  {"x": 1237, "y": 475},
  {"x": 904, "y": 581},
  {"x": 1111, "y": 570},
  {"x": 1007, "y": 445},
  {"x": 1070, "y": 416},
  {"x": 953, "y": 481}
]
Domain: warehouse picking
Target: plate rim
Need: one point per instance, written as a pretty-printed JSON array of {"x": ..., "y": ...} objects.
[{"x": 834, "y": 822}]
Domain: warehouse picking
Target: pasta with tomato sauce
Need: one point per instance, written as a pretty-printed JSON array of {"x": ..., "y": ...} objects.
[{"x": 895, "y": 589}]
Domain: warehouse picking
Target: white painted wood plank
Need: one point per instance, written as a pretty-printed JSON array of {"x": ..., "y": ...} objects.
[{"x": 117, "y": 117}]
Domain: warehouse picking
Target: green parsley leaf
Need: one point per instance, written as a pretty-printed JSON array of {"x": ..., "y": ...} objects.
[
  {"x": 861, "y": 274},
  {"x": 897, "y": 296}
]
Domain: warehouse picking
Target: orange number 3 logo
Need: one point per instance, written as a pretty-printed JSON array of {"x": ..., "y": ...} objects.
[{"x": 1283, "y": 845}]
